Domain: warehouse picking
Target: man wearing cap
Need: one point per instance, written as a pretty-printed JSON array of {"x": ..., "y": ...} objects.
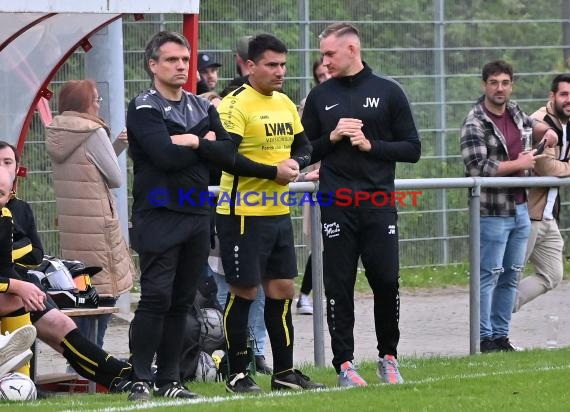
[{"x": 208, "y": 68}]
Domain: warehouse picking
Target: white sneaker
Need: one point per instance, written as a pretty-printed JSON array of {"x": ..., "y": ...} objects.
[
  {"x": 15, "y": 348},
  {"x": 388, "y": 371},
  {"x": 349, "y": 377},
  {"x": 15, "y": 363},
  {"x": 304, "y": 305}
]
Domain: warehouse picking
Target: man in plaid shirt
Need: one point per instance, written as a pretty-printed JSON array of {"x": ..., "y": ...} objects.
[{"x": 491, "y": 146}]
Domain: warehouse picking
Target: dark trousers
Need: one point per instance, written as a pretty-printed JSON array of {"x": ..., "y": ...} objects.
[
  {"x": 84, "y": 322},
  {"x": 168, "y": 285},
  {"x": 307, "y": 283},
  {"x": 372, "y": 235}
]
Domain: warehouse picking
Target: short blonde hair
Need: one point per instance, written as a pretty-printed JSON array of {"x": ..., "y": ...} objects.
[{"x": 339, "y": 29}]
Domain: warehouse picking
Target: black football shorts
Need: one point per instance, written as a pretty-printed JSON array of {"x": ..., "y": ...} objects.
[{"x": 256, "y": 247}]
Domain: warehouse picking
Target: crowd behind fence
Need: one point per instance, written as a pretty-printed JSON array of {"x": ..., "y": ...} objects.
[{"x": 435, "y": 50}]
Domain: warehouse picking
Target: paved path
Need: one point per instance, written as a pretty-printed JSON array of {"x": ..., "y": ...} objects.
[{"x": 432, "y": 323}]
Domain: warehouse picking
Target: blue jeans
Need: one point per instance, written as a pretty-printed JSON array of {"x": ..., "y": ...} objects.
[
  {"x": 503, "y": 247},
  {"x": 84, "y": 323},
  {"x": 255, "y": 321}
]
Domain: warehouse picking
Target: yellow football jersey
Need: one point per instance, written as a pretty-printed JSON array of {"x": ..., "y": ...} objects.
[{"x": 267, "y": 125}]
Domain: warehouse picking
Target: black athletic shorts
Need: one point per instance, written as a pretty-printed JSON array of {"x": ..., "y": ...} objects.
[{"x": 256, "y": 247}]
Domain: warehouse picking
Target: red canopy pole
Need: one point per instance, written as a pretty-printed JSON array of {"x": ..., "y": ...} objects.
[{"x": 190, "y": 31}]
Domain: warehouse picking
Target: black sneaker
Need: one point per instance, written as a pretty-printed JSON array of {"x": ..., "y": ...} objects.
[
  {"x": 123, "y": 381},
  {"x": 488, "y": 345},
  {"x": 173, "y": 390},
  {"x": 121, "y": 385},
  {"x": 293, "y": 379},
  {"x": 241, "y": 383},
  {"x": 140, "y": 391},
  {"x": 503, "y": 344},
  {"x": 261, "y": 365}
]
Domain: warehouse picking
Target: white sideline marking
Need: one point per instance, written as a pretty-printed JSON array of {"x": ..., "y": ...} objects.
[
  {"x": 201, "y": 401},
  {"x": 283, "y": 394}
]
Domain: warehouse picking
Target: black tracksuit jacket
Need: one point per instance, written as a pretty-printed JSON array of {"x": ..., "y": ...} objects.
[{"x": 388, "y": 123}]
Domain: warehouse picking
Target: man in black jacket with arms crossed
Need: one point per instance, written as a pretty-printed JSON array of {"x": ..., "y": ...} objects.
[{"x": 172, "y": 136}]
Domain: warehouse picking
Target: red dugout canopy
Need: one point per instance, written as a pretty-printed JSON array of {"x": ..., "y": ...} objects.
[{"x": 37, "y": 36}]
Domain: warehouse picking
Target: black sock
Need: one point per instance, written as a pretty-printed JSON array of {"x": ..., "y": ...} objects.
[
  {"x": 235, "y": 329},
  {"x": 280, "y": 333},
  {"x": 90, "y": 361}
]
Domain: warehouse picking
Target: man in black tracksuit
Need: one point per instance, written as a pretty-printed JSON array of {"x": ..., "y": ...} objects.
[
  {"x": 171, "y": 141},
  {"x": 360, "y": 125}
]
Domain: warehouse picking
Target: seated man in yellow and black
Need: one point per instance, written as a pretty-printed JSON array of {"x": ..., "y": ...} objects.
[
  {"x": 53, "y": 327},
  {"x": 256, "y": 235}
]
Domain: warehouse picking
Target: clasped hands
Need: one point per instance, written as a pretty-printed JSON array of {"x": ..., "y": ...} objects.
[
  {"x": 351, "y": 128},
  {"x": 287, "y": 171}
]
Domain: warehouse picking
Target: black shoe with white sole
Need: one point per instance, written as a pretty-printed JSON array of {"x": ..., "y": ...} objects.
[
  {"x": 140, "y": 392},
  {"x": 503, "y": 344},
  {"x": 241, "y": 383},
  {"x": 173, "y": 390},
  {"x": 293, "y": 380}
]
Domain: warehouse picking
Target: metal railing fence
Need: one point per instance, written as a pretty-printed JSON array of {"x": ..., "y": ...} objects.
[{"x": 474, "y": 184}]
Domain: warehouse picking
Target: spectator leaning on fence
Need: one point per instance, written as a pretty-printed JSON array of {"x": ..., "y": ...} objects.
[
  {"x": 491, "y": 146},
  {"x": 360, "y": 125},
  {"x": 545, "y": 244}
]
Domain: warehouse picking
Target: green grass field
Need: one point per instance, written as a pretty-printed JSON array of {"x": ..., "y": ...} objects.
[
  {"x": 535, "y": 380},
  {"x": 430, "y": 277}
]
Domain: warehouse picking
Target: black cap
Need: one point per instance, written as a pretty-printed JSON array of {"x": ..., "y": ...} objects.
[{"x": 206, "y": 60}]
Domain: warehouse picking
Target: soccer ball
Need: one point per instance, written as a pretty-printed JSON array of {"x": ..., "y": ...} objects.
[
  {"x": 221, "y": 362},
  {"x": 217, "y": 356},
  {"x": 206, "y": 370},
  {"x": 211, "y": 330},
  {"x": 16, "y": 386}
]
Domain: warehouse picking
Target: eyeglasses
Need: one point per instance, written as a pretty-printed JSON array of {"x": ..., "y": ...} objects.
[
  {"x": 495, "y": 83},
  {"x": 99, "y": 99}
]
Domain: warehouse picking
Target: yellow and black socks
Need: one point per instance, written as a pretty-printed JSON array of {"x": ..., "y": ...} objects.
[
  {"x": 235, "y": 329},
  {"x": 90, "y": 361},
  {"x": 279, "y": 324}
]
